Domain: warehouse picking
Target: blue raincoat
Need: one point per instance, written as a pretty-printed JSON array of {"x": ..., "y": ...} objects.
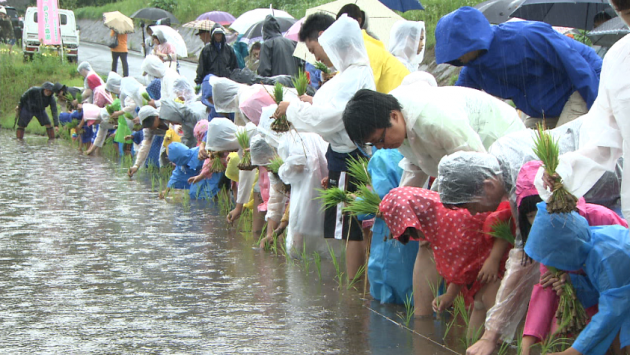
[
  {"x": 390, "y": 268},
  {"x": 527, "y": 62},
  {"x": 566, "y": 242},
  {"x": 189, "y": 165},
  {"x": 206, "y": 93}
]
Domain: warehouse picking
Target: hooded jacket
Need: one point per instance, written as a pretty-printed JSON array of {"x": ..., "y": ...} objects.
[
  {"x": 566, "y": 242},
  {"x": 388, "y": 71},
  {"x": 276, "y": 54},
  {"x": 404, "y": 40},
  {"x": 527, "y": 62},
  {"x": 212, "y": 60},
  {"x": 34, "y": 101}
]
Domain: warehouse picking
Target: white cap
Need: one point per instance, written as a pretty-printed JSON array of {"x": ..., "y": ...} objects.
[{"x": 3, "y": 10}]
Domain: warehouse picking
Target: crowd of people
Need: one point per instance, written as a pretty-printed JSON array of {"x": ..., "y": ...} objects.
[{"x": 449, "y": 163}]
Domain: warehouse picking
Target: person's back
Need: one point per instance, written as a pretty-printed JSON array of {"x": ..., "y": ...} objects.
[
  {"x": 388, "y": 71},
  {"x": 216, "y": 57},
  {"x": 527, "y": 62},
  {"x": 276, "y": 55}
]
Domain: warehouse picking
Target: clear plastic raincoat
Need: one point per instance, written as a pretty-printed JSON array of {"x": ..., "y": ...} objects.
[
  {"x": 343, "y": 43},
  {"x": 404, "y": 40}
]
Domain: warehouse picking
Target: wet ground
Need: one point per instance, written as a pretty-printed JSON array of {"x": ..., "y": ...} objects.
[{"x": 93, "y": 262}]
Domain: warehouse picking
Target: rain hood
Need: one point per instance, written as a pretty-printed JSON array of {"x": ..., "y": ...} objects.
[
  {"x": 153, "y": 66},
  {"x": 271, "y": 28},
  {"x": 183, "y": 156},
  {"x": 343, "y": 43},
  {"x": 113, "y": 83},
  {"x": 463, "y": 30},
  {"x": 404, "y": 40}
]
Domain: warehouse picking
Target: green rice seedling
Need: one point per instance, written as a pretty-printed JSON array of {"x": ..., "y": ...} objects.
[
  {"x": 300, "y": 83},
  {"x": 503, "y": 230},
  {"x": 336, "y": 264},
  {"x": 145, "y": 98},
  {"x": 152, "y": 183},
  {"x": 79, "y": 96},
  {"x": 553, "y": 344},
  {"x": 321, "y": 66},
  {"x": 504, "y": 348},
  {"x": 69, "y": 97},
  {"x": 275, "y": 164},
  {"x": 409, "y": 310},
  {"x": 547, "y": 150},
  {"x": 217, "y": 166},
  {"x": 197, "y": 89},
  {"x": 318, "y": 264},
  {"x": 332, "y": 197},
  {"x": 305, "y": 259},
  {"x": 243, "y": 140},
  {"x": 366, "y": 203},
  {"x": 357, "y": 168},
  {"x": 186, "y": 200},
  {"x": 519, "y": 342},
  {"x": 280, "y": 124},
  {"x": 350, "y": 283},
  {"x": 570, "y": 315}
]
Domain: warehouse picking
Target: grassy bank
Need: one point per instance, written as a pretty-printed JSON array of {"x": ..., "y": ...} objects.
[
  {"x": 16, "y": 77},
  {"x": 188, "y": 10}
]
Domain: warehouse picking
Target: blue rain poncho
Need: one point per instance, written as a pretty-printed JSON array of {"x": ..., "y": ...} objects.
[
  {"x": 527, "y": 62},
  {"x": 566, "y": 242},
  {"x": 189, "y": 165},
  {"x": 390, "y": 268}
]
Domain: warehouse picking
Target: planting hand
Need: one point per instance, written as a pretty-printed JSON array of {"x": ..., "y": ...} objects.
[
  {"x": 203, "y": 154},
  {"x": 152, "y": 103},
  {"x": 548, "y": 279},
  {"x": 485, "y": 345},
  {"x": 235, "y": 213},
  {"x": 283, "y": 225},
  {"x": 195, "y": 179},
  {"x": 306, "y": 98},
  {"x": 558, "y": 286},
  {"x": 549, "y": 180},
  {"x": 116, "y": 114},
  {"x": 489, "y": 271},
  {"x": 325, "y": 182},
  {"x": 281, "y": 110},
  {"x": 446, "y": 300},
  {"x": 132, "y": 171}
]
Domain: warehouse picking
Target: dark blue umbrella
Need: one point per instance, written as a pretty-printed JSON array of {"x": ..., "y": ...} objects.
[
  {"x": 565, "y": 13},
  {"x": 403, "y": 5}
]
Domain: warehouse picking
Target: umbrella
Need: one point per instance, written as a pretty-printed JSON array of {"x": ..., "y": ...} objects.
[
  {"x": 174, "y": 37},
  {"x": 498, "y": 11},
  {"x": 294, "y": 30},
  {"x": 154, "y": 14},
  {"x": 246, "y": 20},
  {"x": 206, "y": 25},
  {"x": 255, "y": 33},
  {"x": 380, "y": 19},
  {"x": 403, "y": 5},
  {"x": 567, "y": 13},
  {"x": 220, "y": 17},
  {"x": 118, "y": 22},
  {"x": 609, "y": 32}
]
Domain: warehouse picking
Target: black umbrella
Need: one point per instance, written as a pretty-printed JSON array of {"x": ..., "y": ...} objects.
[
  {"x": 609, "y": 32},
  {"x": 498, "y": 11},
  {"x": 566, "y": 13},
  {"x": 154, "y": 14},
  {"x": 255, "y": 30}
]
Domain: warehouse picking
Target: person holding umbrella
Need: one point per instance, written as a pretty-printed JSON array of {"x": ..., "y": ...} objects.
[
  {"x": 216, "y": 57},
  {"x": 119, "y": 25},
  {"x": 547, "y": 75},
  {"x": 164, "y": 50}
]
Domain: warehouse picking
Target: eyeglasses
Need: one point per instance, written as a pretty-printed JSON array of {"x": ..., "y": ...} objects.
[{"x": 380, "y": 141}]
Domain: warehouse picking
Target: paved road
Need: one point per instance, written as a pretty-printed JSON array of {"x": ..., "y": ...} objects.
[{"x": 99, "y": 56}]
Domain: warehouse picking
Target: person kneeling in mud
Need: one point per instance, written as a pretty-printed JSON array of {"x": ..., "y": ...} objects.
[{"x": 33, "y": 103}]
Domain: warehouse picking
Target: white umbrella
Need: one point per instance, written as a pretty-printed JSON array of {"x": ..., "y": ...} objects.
[
  {"x": 380, "y": 21},
  {"x": 174, "y": 37},
  {"x": 246, "y": 20}
]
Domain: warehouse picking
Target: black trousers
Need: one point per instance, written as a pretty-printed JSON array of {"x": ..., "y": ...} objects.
[{"x": 123, "y": 59}]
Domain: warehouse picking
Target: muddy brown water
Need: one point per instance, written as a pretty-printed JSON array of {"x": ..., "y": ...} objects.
[{"x": 93, "y": 262}]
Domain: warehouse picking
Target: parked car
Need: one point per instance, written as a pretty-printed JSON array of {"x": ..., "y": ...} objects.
[{"x": 69, "y": 33}]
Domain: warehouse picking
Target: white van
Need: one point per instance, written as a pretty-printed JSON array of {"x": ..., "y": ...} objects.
[{"x": 69, "y": 33}]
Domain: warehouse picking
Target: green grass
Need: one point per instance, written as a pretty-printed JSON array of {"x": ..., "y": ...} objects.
[
  {"x": 16, "y": 77},
  {"x": 188, "y": 10}
]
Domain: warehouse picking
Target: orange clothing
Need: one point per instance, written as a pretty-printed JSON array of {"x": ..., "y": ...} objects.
[{"x": 122, "y": 42}]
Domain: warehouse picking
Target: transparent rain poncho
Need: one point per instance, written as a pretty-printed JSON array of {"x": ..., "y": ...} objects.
[
  {"x": 153, "y": 66},
  {"x": 131, "y": 94},
  {"x": 343, "y": 43},
  {"x": 113, "y": 83},
  {"x": 184, "y": 89},
  {"x": 264, "y": 126},
  {"x": 304, "y": 156},
  {"x": 252, "y": 106},
  {"x": 225, "y": 94},
  {"x": 404, "y": 40},
  {"x": 262, "y": 153},
  {"x": 420, "y": 78}
]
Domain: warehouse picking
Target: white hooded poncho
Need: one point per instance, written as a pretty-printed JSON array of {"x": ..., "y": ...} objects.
[{"x": 404, "y": 40}]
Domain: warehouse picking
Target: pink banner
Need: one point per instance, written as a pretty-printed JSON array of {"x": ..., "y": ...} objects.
[{"x": 48, "y": 22}]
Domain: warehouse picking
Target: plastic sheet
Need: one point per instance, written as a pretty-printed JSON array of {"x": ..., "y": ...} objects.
[
  {"x": 457, "y": 185},
  {"x": 131, "y": 88},
  {"x": 222, "y": 135},
  {"x": 153, "y": 67},
  {"x": 113, "y": 83},
  {"x": 225, "y": 94},
  {"x": 147, "y": 111},
  {"x": 253, "y": 105},
  {"x": 277, "y": 199},
  {"x": 264, "y": 126},
  {"x": 183, "y": 89},
  {"x": 404, "y": 40},
  {"x": 261, "y": 152},
  {"x": 420, "y": 78}
]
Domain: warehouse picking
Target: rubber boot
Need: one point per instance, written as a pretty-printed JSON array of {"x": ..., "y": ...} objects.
[
  {"x": 19, "y": 133},
  {"x": 51, "y": 133}
]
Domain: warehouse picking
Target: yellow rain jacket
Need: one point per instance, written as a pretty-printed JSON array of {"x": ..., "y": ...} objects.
[
  {"x": 388, "y": 71},
  {"x": 169, "y": 137}
]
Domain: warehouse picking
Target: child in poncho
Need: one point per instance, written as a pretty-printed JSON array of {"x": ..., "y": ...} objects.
[
  {"x": 188, "y": 166},
  {"x": 566, "y": 242},
  {"x": 461, "y": 249},
  {"x": 541, "y": 321}
]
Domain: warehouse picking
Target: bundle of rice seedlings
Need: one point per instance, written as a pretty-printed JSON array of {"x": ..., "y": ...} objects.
[
  {"x": 110, "y": 109},
  {"x": 503, "y": 230},
  {"x": 357, "y": 168},
  {"x": 332, "y": 197},
  {"x": 217, "y": 166},
  {"x": 79, "y": 97},
  {"x": 275, "y": 164},
  {"x": 197, "y": 89},
  {"x": 243, "y": 140},
  {"x": 570, "y": 315},
  {"x": 280, "y": 124},
  {"x": 321, "y": 66},
  {"x": 548, "y": 151},
  {"x": 137, "y": 127},
  {"x": 113, "y": 107},
  {"x": 365, "y": 203},
  {"x": 69, "y": 97},
  {"x": 300, "y": 83}
]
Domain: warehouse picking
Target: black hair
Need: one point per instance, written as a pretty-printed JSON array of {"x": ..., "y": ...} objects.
[
  {"x": 353, "y": 11},
  {"x": 366, "y": 112},
  {"x": 256, "y": 45},
  {"x": 602, "y": 17},
  {"x": 148, "y": 122},
  {"x": 621, "y": 5},
  {"x": 528, "y": 204},
  {"x": 313, "y": 25}
]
